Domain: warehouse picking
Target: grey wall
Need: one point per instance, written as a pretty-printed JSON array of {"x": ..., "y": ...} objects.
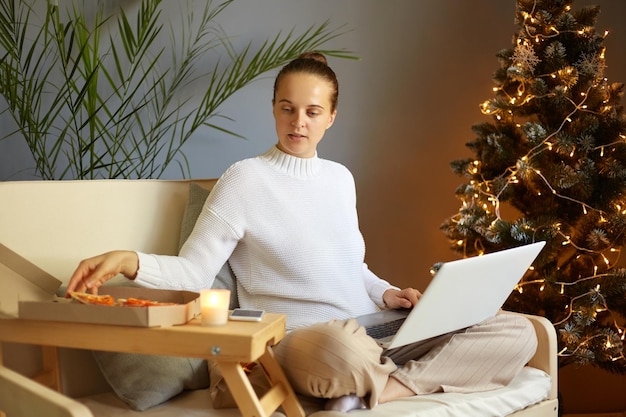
[{"x": 405, "y": 109}]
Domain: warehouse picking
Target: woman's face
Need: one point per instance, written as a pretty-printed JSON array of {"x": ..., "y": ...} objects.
[{"x": 302, "y": 111}]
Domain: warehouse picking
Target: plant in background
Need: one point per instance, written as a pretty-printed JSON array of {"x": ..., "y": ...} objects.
[{"x": 101, "y": 96}]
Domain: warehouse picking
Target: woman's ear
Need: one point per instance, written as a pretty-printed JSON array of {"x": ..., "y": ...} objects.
[{"x": 331, "y": 120}]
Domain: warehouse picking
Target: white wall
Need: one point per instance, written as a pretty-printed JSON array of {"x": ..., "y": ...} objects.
[{"x": 405, "y": 111}]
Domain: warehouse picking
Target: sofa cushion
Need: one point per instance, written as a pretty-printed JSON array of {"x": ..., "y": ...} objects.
[
  {"x": 195, "y": 201},
  {"x": 143, "y": 381},
  {"x": 197, "y": 196}
]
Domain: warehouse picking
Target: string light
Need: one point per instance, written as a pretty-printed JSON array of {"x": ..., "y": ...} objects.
[{"x": 595, "y": 264}]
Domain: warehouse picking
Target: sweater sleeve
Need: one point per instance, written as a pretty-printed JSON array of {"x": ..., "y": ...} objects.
[
  {"x": 376, "y": 286},
  {"x": 205, "y": 252}
]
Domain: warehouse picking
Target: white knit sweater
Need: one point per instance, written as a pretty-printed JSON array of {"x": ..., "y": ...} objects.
[{"x": 289, "y": 228}]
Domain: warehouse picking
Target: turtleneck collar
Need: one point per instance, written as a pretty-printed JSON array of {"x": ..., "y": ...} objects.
[{"x": 292, "y": 165}]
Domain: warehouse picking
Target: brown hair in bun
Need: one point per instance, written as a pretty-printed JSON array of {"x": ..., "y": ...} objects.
[{"x": 313, "y": 63}]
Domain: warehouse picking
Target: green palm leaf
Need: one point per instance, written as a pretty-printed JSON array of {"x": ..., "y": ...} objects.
[{"x": 98, "y": 97}]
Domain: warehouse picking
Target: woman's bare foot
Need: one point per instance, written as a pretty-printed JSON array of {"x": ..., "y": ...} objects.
[{"x": 345, "y": 403}]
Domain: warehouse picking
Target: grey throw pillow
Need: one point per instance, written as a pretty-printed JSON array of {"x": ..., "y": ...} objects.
[
  {"x": 195, "y": 202},
  {"x": 144, "y": 381},
  {"x": 197, "y": 196}
]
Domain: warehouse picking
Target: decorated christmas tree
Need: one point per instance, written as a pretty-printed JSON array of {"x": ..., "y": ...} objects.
[{"x": 551, "y": 165}]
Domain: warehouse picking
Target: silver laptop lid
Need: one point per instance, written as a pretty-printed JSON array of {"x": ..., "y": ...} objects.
[{"x": 465, "y": 292}]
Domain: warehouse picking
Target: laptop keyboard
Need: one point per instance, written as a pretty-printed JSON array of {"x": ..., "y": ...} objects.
[{"x": 386, "y": 329}]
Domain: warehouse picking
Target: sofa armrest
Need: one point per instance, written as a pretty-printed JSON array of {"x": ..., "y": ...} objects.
[
  {"x": 20, "y": 396},
  {"x": 546, "y": 357}
]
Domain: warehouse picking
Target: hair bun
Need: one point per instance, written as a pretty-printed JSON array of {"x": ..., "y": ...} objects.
[{"x": 315, "y": 56}]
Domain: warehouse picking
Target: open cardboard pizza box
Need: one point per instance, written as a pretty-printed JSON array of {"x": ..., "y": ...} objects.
[
  {"x": 186, "y": 307},
  {"x": 21, "y": 280},
  {"x": 28, "y": 292}
]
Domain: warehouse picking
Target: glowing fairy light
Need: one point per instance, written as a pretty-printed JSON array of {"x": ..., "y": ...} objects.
[{"x": 484, "y": 194}]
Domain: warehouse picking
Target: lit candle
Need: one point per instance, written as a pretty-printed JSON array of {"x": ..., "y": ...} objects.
[{"x": 214, "y": 306}]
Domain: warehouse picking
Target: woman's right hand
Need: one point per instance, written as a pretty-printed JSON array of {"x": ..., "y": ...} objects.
[{"x": 91, "y": 273}]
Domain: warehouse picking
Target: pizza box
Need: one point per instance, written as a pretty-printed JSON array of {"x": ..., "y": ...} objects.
[
  {"x": 63, "y": 309},
  {"x": 21, "y": 280}
]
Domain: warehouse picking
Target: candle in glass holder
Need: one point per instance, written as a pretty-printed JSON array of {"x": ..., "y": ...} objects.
[{"x": 214, "y": 306}]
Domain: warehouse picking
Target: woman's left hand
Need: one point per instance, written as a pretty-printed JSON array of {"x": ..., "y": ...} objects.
[{"x": 405, "y": 298}]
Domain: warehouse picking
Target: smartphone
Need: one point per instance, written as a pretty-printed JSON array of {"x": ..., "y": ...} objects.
[{"x": 246, "y": 314}]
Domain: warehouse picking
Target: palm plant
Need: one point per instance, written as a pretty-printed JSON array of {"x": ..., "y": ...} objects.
[{"x": 99, "y": 97}]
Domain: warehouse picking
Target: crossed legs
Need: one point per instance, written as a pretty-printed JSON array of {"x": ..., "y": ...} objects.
[
  {"x": 334, "y": 359},
  {"x": 337, "y": 359}
]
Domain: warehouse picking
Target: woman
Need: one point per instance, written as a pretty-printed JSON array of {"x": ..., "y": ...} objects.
[{"x": 286, "y": 221}]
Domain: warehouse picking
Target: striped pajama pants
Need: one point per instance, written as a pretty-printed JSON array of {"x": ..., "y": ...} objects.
[{"x": 329, "y": 360}]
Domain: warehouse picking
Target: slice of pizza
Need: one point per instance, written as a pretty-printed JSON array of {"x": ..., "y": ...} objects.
[
  {"x": 139, "y": 302},
  {"x": 86, "y": 298}
]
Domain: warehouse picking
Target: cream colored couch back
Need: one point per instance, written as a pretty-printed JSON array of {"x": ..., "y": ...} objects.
[{"x": 55, "y": 224}]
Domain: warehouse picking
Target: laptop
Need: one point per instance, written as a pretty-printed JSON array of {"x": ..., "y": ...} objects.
[{"x": 462, "y": 293}]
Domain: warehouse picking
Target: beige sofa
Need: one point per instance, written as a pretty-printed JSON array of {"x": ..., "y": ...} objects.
[{"x": 56, "y": 224}]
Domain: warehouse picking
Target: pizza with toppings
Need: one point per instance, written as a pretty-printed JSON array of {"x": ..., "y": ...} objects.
[
  {"x": 85, "y": 298},
  {"x": 138, "y": 302},
  {"x": 108, "y": 300}
]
